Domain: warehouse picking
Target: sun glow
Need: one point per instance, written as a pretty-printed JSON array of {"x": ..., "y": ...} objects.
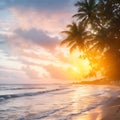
[
  {"x": 77, "y": 67},
  {"x": 80, "y": 67}
]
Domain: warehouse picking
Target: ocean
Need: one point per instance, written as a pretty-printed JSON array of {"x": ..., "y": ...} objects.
[{"x": 52, "y": 101}]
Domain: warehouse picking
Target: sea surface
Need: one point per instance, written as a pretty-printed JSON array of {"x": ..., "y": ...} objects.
[{"x": 52, "y": 101}]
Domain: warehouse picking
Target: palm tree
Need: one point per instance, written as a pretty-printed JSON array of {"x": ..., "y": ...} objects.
[
  {"x": 103, "y": 17},
  {"x": 109, "y": 35},
  {"x": 75, "y": 37},
  {"x": 86, "y": 12}
]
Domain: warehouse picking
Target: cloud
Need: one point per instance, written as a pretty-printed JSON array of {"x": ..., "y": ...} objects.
[
  {"x": 50, "y": 5},
  {"x": 13, "y": 76},
  {"x": 43, "y": 64},
  {"x": 32, "y": 29},
  {"x": 51, "y": 23},
  {"x": 37, "y": 37},
  {"x": 36, "y": 72},
  {"x": 48, "y": 15},
  {"x": 57, "y": 72}
]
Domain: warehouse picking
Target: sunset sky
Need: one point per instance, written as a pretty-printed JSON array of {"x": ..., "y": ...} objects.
[{"x": 30, "y": 36}]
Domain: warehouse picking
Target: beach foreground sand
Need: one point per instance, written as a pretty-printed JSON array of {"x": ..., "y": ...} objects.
[{"x": 109, "y": 111}]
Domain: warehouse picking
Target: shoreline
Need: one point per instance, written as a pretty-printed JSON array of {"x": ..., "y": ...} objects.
[
  {"x": 111, "y": 111},
  {"x": 108, "y": 111}
]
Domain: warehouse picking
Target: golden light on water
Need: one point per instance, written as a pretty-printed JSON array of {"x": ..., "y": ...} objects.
[{"x": 80, "y": 103}]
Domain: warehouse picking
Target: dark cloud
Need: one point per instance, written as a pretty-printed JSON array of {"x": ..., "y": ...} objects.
[{"x": 38, "y": 37}]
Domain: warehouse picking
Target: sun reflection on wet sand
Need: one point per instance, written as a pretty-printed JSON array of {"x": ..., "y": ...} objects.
[
  {"x": 91, "y": 115},
  {"x": 81, "y": 103}
]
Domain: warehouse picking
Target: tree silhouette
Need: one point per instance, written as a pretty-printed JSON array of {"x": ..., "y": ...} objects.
[
  {"x": 75, "y": 37},
  {"x": 96, "y": 31},
  {"x": 86, "y": 12}
]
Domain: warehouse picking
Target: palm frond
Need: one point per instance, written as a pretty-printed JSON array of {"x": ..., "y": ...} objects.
[
  {"x": 73, "y": 47},
  {"x": 66, "y": 32}
]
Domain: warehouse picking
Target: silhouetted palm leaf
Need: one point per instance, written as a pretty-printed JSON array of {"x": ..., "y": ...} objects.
[
  {"x": 75, "y": 37},
  {"x": 86, "y": 11}
]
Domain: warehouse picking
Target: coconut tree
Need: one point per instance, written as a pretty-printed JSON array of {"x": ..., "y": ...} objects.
[
  {"x": 97, "y": 32},
  {"x": 87, "y": 12},
  {"x": 108, "y": 38},
  {"x": 75, "y": 37}
]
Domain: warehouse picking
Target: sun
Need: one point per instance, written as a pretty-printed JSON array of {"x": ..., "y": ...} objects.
[
  {"x": 77, "y": 68},
  {"x": 80, "y": 67}
]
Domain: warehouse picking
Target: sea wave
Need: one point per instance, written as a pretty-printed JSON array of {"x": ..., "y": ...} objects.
[
  {"x": 10, "y": 96},
  {"x": 21, "y": 88}
]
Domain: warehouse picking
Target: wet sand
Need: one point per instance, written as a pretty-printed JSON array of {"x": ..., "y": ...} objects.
[{"x": 111, "y": 111}]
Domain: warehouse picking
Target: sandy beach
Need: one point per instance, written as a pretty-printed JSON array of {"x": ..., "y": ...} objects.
[{"x": 109, "y": 111}]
